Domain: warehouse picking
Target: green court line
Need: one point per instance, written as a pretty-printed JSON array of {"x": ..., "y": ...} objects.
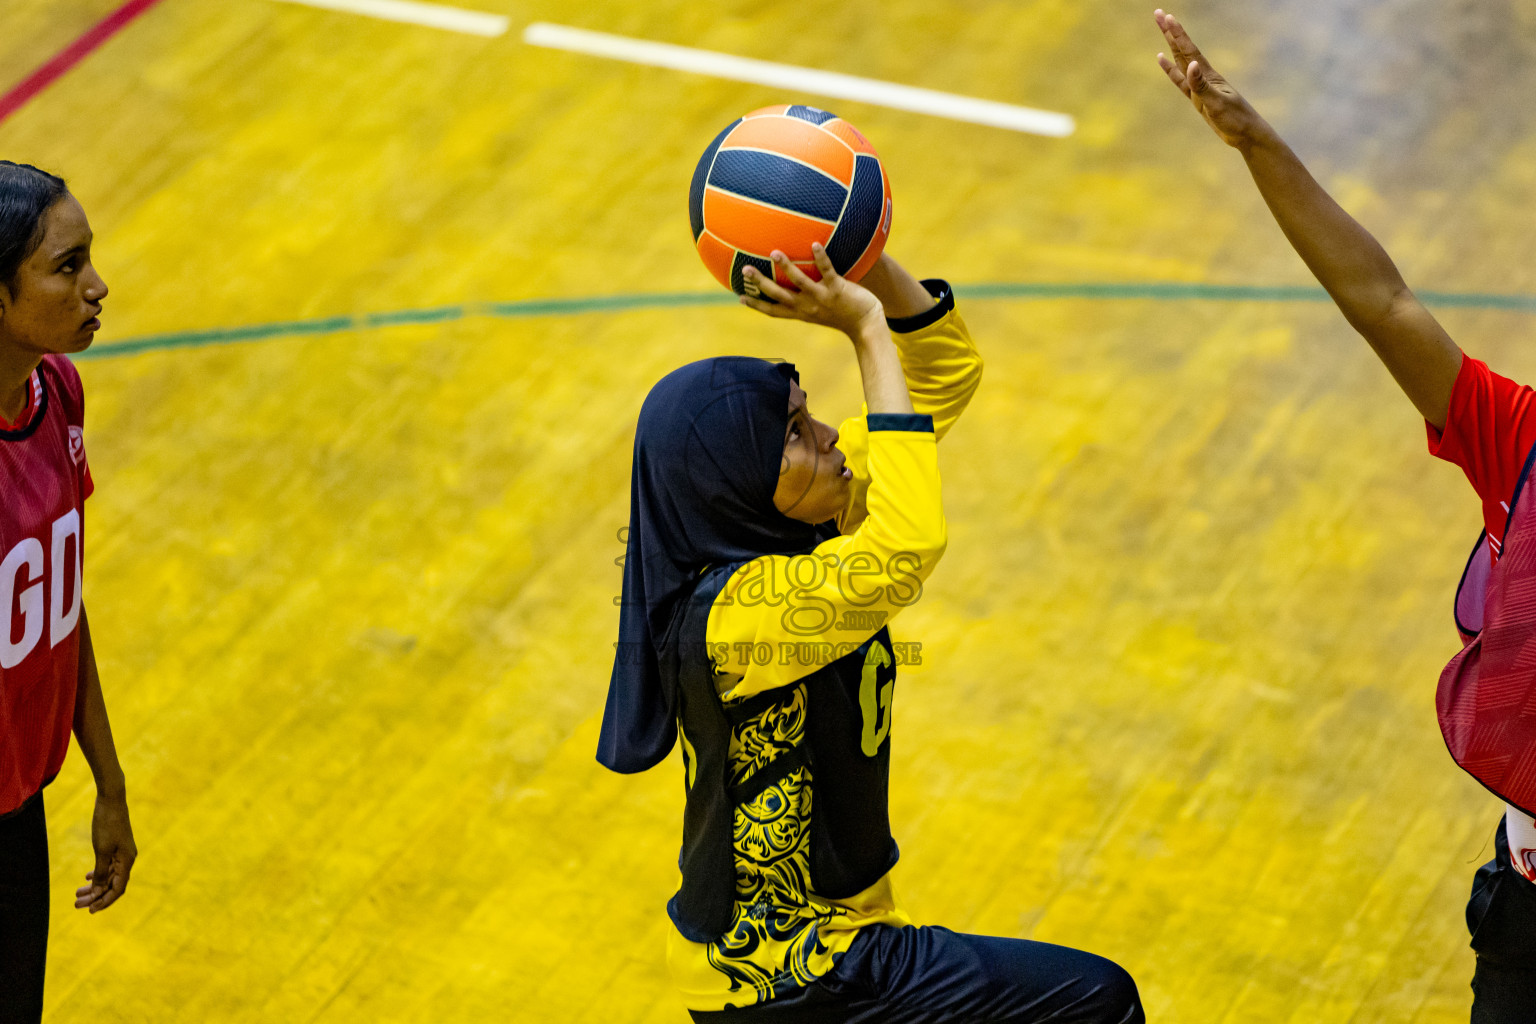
[{"x": 1158, "y": 291}]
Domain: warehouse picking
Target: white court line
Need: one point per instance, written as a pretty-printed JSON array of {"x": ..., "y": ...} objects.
[
  {"x": 454, "y": 19},
  {"x": 798, "y": 79}
]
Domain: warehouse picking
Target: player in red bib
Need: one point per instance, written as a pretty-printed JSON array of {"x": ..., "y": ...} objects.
[
  {"x": 49, "y": 298},
  {"x": 1475, "y": 418}
]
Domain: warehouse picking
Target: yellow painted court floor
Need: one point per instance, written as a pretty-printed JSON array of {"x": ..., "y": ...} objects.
[{"x": 352, "y": 592}]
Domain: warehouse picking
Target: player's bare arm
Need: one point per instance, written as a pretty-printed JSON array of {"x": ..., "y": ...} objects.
[
  {"x": 839, "y": 303},
  {"x": 111, "y": 832},
  {"x": 899, "y": 292},
  {"x": 1342, "y": 255}
]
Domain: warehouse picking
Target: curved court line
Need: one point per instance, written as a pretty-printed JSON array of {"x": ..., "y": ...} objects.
[{"x": 1157, "y": 291}]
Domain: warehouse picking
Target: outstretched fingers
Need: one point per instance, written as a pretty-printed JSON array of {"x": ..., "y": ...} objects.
[
  {"x": 765, "y": 306},
  {"x": 785, "y": 301},
  {"x": 824, "y": 265},
  {"x": 797, "y": 277},
  {"x": 767, "y": 285},
  {"x": 1187, "y": 68},
  {"x": 1175, "y": 76},
  {"x": 1180, "y": 45}
]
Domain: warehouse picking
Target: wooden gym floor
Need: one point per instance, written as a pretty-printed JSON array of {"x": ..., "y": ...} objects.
[{"x": 352, "y": 591}]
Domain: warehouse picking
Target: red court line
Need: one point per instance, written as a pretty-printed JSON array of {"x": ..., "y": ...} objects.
[{"x": 71, "y": 55}]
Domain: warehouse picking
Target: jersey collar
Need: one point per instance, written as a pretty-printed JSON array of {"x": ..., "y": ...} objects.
[{"x": 11, "y": 430}]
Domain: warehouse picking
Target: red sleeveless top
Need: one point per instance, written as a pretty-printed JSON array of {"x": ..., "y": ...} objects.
[{"x": 44, "y": 481}]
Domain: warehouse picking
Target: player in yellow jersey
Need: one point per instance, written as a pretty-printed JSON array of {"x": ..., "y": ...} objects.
[{"x": 767, "y": 551}]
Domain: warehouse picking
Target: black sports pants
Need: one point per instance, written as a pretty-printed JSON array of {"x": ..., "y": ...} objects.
[
  {"x": 932, "y": 975},
  {"x": 23, "y": 912},
  {"x": 1502, "y": 918}
]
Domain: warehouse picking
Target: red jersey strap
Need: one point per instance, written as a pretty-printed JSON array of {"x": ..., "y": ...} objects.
[{"x": 1486, "y": 699}]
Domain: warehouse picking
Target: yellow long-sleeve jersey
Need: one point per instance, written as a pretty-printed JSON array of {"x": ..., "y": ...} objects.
[{"x": 780, "y": 618}]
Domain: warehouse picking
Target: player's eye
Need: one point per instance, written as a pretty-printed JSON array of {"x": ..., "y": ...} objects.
[{"x": 67, "y": 267}]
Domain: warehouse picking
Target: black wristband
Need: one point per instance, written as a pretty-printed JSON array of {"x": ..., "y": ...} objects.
[
  {"x": 940, "y": 290},
  {"x": 912, "y": 422}
]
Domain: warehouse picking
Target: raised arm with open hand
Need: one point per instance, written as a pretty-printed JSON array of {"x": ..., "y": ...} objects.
[
  {"x": 1342, "y": 255},
  {"x": 1222, "y": 106}
]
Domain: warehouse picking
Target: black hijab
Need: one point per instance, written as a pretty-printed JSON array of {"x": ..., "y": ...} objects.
[{"x": 707, "y": 453}]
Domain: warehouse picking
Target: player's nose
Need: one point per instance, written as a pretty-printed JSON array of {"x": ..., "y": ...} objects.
[{"x": 95, "y": 288}]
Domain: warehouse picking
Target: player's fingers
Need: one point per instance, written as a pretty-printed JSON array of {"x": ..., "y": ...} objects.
[
  {"x": 1173, "y": 73},
  {"x": 109, "y": 892},
  {"x": 769, "y": 287},
  {"x": 1183, "y": 45},
  {"x": 824, "y": 265},
  {"x": 797, "y": 277},
  {"x": 1173, "y": 43},
  {"x": 1170, "y": 30},
  {"x": 111, "y": 896},
  {"x": 1196, "y": 77},
  {"x": 768, "y": 308},
  {"x": 1173, "y": 28}
]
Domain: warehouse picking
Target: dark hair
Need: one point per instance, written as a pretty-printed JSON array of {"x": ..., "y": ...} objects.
[{"x": 26, "y": 193}]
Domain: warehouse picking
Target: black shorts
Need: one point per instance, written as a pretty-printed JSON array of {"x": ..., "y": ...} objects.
[
  {"x": 928, "y": 975},
  {"x": 23, "y": 912},
  {"x": 1502, "y": 918}
]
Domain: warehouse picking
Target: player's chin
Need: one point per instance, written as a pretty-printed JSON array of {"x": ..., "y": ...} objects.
[
  {"x": 78, "y": 342},
  {"x": 837, "y": 491}
]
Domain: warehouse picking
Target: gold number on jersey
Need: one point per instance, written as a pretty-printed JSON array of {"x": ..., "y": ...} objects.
[{"x": 875, "y": 700}]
